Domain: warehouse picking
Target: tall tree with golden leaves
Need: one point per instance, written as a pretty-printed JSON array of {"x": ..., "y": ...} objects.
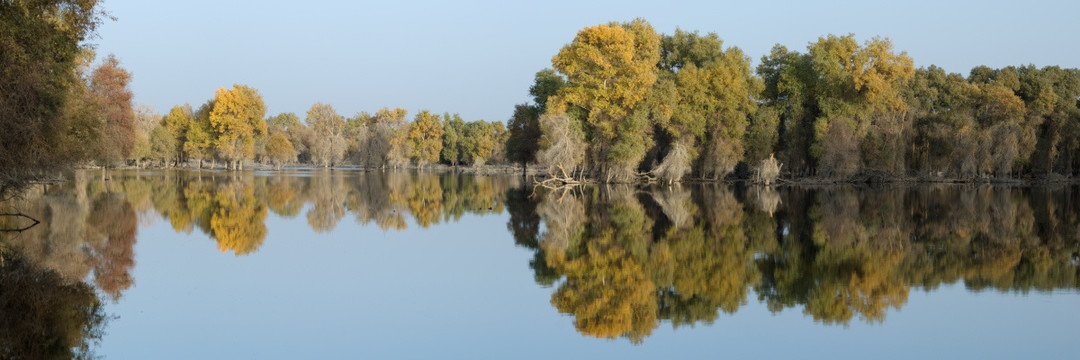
[
  {"x": 280, "y": 150},
  {"x": 609, "y": 70},
  {"x": 179, "y": 121},
  {"x": 237, "y": 119},
  {"x": 858, "y": 91},
  {"x": 425, "y": 138}
]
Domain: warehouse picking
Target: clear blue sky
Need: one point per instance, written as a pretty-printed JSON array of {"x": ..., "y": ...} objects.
[{"x": 477, "y": 58}]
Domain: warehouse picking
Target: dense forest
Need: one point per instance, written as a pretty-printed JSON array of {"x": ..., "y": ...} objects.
[
  {"x": 620, "y": 103},
  {"x": 625, "y": 103}
]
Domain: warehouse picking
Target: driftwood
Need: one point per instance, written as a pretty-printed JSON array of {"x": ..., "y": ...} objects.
[{"x": 558, "y": 183}]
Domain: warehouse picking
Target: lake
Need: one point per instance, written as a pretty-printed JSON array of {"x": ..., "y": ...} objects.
[{"x": 350, "y": 264}]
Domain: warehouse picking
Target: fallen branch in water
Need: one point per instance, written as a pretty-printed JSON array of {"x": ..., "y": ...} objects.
[
  {"x": 22, "y": 228},
  {"x": 558, "y": 183}
]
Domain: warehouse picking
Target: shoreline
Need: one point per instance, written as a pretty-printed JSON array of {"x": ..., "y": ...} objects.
[{"x": 871, "y": 180}]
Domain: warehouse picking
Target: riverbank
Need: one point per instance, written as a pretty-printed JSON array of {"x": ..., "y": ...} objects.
[{"x": 871, "y": 178}]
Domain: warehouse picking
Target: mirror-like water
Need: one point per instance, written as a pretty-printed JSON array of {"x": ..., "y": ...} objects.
[{"x": 331, "y": 264}]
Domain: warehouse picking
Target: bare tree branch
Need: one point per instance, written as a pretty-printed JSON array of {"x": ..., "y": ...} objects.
[{"x": 28, "y": 227}]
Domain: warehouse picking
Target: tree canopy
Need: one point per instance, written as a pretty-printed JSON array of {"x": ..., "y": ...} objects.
[
  {"x": 237, "y": 119},
  {"x": 42, "y": 53},
  {"x": 663, "y": 107},
  {"x": 629, "y": 104}
]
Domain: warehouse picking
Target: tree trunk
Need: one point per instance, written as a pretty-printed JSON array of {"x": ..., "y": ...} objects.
[{"x": 1068, "y": 163}]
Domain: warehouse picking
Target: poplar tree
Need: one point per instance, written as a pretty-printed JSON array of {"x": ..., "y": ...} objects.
[
  {"x": 236, "y": 118},
  {"x": 328, "y": 142},
  {"x": 609, "y": 70},
  {"x": 425, "y": 138}
]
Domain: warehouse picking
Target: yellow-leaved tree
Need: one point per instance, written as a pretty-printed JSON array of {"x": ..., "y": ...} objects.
[
  {"x": 238, "y": 218},
  {"x": 859, "y": 98},
  {"x": 425, "y": 138},
  {"x": 237, "y": 120},
  {"x": 280, "y": 150},
  {"x": 609, "y": 70}
]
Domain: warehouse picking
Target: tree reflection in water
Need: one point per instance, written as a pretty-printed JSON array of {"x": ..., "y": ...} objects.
[
  {"x": 620, "y": 259},
  {"x": 46, "y": 316},
  {"x": 625, "y": 259},
  {"x": 87, "y": 226}
]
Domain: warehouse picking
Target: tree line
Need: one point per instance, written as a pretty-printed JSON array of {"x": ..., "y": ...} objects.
[
  {"x": 622, "y": 103},
  {"x": 233, "y": 127},
  {"x": 59, "y": 109}
]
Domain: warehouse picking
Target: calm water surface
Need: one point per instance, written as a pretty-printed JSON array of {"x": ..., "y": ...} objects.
[{"x": 343, "y": 264}]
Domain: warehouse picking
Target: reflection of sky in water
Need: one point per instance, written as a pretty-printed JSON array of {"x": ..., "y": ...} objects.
[
  {"x": 444, "y": 281},
  {"x": 464, "y": 290}
]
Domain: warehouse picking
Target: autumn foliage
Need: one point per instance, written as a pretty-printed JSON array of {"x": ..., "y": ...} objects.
[{"x": 631, "y": 105}]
